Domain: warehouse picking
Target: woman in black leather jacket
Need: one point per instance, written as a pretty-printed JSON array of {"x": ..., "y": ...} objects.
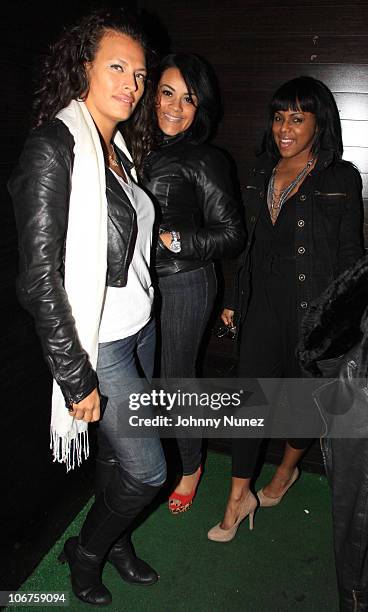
[
  {"x": 303, "y": 209},
  {"x": 198, "y": 222},
  {"x": 84, "y": 239}
]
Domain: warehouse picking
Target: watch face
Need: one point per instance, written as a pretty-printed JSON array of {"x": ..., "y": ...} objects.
[{"x": 175, "y": 246}]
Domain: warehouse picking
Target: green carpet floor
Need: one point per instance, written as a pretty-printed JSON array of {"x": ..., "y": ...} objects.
[{"x": 285, "y": 564}]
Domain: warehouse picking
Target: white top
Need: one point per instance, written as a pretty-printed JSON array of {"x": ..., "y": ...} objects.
[{"x": 127, "y": 309}]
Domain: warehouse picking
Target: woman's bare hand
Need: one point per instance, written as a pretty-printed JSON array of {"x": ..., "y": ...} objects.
[
  {"x": 88, "y": 409},
  {"x": 227, "y": 317}
]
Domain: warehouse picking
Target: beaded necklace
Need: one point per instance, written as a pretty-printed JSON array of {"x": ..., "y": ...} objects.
[{"x": 276, "y": 198}]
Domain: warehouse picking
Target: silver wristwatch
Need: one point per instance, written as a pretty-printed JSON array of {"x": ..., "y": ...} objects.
[{"x": 175, "y": 245}]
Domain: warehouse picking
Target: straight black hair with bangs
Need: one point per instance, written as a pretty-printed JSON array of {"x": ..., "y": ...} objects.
[
  {"x": 312, "y": 96},
  {"x": 201, "y": 81}
]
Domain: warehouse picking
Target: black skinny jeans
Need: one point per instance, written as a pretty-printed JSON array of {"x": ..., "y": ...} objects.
[{"x": 187, "y": 302}]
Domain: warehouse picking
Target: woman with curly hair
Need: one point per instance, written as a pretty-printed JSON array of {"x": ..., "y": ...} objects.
[{"x": 84, "y": 230}]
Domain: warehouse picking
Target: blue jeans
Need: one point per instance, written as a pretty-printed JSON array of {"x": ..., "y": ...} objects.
[
  {"x": 187, "y": 300},
  {"x": 118, "y": 370}
]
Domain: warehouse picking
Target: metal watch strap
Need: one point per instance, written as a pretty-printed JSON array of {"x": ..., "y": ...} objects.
[{"x": 175, "y": 245}]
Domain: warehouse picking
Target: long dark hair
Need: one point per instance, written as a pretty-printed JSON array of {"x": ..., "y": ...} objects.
[
  {"x": 308, "y": 95},
  {"x": 200, "y": 80},
  {"x": 64, "y": 76}
]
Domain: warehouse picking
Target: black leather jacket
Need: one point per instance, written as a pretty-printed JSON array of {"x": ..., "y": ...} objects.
[
  {"x": 40, "y": 188},
  {"x": 337, "y": 324},
  {"x": 193, "y": 192},
  {"x": 328, "y": 229}
]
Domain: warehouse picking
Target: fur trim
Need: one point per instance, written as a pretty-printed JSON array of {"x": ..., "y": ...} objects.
[{"x": 337, "y": 320}]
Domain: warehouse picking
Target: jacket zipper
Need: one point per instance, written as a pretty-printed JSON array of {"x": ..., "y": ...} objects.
[
  {"x": 321, "y": 441},
  {"x": 337, "y": 193},
  {"x": 355, "y": 601}
]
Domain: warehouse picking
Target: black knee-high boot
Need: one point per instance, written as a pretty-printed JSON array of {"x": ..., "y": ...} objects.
[
  {"x": 111, "y": 514},
  {"x": 122, "y": 555},
  {"x": 105, "y": 469}
]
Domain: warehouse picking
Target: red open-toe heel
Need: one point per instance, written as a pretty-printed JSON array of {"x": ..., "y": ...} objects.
[{"x": 185, "y": 501}]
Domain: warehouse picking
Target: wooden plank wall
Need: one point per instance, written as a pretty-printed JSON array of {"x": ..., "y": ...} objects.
[{"x": 257, "y": 45}]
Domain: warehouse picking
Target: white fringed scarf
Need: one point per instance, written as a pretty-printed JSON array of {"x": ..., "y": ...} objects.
[{"x": 85, "y": 267}]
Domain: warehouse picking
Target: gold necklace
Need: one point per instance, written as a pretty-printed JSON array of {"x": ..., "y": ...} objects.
[{"x": 113, "y": 158}]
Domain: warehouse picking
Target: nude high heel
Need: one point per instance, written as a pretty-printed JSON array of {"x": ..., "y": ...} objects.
[
  {"x": 268, "y": 502},
  {"x": 248, "y": 508}
]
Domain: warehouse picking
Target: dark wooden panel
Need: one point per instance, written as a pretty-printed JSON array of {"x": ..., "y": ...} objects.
[
  {"x": 167, "y": 8},
  {"x": 243, "y": 20},
  {"x": 164, "y": 6},
  {"x": 32, "y": 26},
  {"x": 253, "y": 104},
  {"x": 347, "y": 78},
  {"x": 276, "y": 49}
]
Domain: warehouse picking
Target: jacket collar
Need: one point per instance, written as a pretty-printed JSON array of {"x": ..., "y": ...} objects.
[
  {"x": 325, "y": 159},
  {"x": 164, "y": 140},
  {"x": 127, "y": 163}
]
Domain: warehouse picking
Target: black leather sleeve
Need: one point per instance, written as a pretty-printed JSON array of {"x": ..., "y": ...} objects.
[
  {"x": 222, "y": 234},
  {"x": 40, "y": 188}
]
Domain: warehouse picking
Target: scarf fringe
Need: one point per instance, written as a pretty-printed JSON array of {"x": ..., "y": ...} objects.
[{"x": 69, "y": 450}]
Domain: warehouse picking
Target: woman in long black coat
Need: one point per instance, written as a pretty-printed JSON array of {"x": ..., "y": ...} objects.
[{"x": 303, "y": 210}]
